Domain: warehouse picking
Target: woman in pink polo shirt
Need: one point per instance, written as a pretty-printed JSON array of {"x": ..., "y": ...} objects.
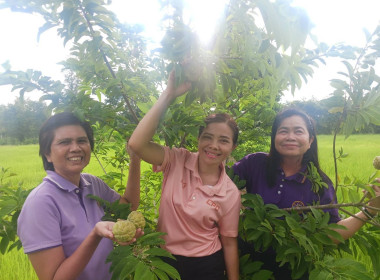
[{"x": 200, "y": 205}]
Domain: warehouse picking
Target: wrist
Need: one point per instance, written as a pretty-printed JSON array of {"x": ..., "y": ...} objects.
[
  {"x": 166, "y": 97},
  {"x": 368, "y": 214},
  {"x": 95, "y": 234}
]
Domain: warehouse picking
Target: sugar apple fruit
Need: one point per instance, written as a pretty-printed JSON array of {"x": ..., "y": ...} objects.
[
  {"x": 124, "y": 230},
  {"x": 376, "y": 162},
  {"x": 137, "y": 219},
  {"x": 192, "y": 70}
]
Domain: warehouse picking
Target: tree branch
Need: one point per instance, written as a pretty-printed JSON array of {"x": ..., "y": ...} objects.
[
  {"x": 340, "y": 207},
  {"x": 109, "y": 67}
]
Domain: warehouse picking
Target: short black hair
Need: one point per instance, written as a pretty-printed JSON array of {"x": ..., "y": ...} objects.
[{"x": 47, "y": 133}]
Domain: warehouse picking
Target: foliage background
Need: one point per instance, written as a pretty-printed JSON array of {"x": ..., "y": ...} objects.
[{"x": 257, "y": 53}]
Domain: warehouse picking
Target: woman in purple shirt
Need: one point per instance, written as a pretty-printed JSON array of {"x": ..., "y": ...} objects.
[
  {"x": 277, "y": 177},
  {"x": 59, "y": 226}
]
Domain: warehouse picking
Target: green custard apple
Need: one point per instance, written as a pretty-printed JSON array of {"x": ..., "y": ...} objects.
[
  {"x": 376, "y": 162},
  {"x": 124, "y": 230},
  {"x": 137, "y": 219}
]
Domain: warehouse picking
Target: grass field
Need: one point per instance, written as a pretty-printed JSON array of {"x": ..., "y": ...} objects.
[
  {"x": 361, "y": 150},
  {"x": 25, "y": 162}
]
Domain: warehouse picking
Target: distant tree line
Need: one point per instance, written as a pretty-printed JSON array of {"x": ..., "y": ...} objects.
[
  {"x": 20, "y": 122},
  {"x": 325, "y": 121}
]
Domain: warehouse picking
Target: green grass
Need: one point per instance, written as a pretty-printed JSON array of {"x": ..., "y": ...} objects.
[
  {"x": 361, "y": 150},
  {"x": 15, "y": 265},
  {"x": 25, "y": 162}
]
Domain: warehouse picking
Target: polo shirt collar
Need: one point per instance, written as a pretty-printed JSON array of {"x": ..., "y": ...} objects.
[
  {"x": 64, "y": 184},
  {"x": 298, "y": 177},
  {"x": 219, "y": 189}
]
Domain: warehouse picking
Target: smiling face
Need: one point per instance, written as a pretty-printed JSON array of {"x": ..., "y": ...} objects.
[
  {"x": 70, "y": 152},
  {"x": 292, "y": 138},
  {"x": 215, "y": 143}
]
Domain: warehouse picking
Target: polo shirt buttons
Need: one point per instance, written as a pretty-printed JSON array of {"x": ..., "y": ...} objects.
[
  {"x": 281, "y": 186},
  {"x": 77, "y": 191},
  {"x": 279, "y": 192},
  {"x": 193, "y": 197}
]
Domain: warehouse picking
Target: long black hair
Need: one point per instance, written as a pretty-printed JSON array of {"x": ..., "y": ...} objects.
[{"x": 311, "y": 155}]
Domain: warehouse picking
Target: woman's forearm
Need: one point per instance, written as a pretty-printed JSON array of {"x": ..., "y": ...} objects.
[
  {"x": 231, "y": 258},
  {"x": 140, "y": 141},
  {"x": 52, "y": 264},
  {"x": 132, "y": 190},
  {"x": 352, "y": 224}
]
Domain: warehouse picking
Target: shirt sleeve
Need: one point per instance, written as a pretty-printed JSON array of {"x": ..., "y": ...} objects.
[
  {"x": 101, "y": 189},
  {"x": 172, "y": 157},
  {"x": 229, "y": 223},
  {"x": 251, "y": 168},
  {"x": 168, "y": 158},
  {"x": 240, "y": 167},
  {"x": 38, "y": 225}
]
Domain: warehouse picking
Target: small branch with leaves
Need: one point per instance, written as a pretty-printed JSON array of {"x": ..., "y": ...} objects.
[{"x": 341, "y": 206}]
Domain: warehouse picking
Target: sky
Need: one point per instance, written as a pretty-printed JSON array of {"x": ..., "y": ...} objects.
[{"x": 335, "y": 21}]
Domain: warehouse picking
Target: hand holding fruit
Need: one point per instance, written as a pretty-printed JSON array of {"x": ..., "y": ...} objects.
[
  {"x": 127, "y": 231},
  {"x": 375, "y": 202},
  {"x": 174, "y": 91}
]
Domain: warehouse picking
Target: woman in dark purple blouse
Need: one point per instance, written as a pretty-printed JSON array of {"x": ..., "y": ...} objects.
[{"x": 277, "y": 176}]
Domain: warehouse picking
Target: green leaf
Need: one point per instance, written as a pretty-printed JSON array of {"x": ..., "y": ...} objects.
[
  {"x": 143, "y": 271},
  {"x": 4, "y": 245},
  {"x": 153, "y": 238},
  {"x": 324, "y": 239},
  {"x": 160, "y": 274},
  {"x": 292, "y": 223},
  {"x": 158, "y": 252},
  {"x": 254, "y": 235},
  {"x": 262, "y": 275},
  {"x": 335, "y": 110},
  {"x": 168, "y": 269},
  {"x": 124, "y": 267}
]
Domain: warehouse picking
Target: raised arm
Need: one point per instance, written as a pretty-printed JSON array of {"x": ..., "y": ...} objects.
[
  {"x": 140, "y": 141},
  {"x": 132, "y": 190}
]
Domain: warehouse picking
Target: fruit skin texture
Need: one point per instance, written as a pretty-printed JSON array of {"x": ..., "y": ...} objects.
[
  {"x": 124, "y": 230},
  {"x": 137, "y": 219},
  {"x": 376, "y": 162}
]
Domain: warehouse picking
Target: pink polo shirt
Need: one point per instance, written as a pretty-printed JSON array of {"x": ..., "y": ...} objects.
[{"x": 192, "y": 214}]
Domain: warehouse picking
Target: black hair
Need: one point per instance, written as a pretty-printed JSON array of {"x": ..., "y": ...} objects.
[
  {"x": 47, "y": 133},
  {"x": 311, "y": 155}
]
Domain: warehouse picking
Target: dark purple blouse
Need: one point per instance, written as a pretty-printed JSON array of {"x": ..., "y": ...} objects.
[{"x": 287, "y": 192}]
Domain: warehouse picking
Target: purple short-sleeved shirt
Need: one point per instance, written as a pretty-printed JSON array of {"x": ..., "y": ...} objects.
[
  {"x": 57, "y": 213},
  {"x": 287, "y": 192}
]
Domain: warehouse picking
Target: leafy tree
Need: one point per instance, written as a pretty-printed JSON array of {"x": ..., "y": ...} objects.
[
  {"x": 316, "y": 109},
  {"x": 256, "y": 53},
  {"x": 22, "y": 120}
]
